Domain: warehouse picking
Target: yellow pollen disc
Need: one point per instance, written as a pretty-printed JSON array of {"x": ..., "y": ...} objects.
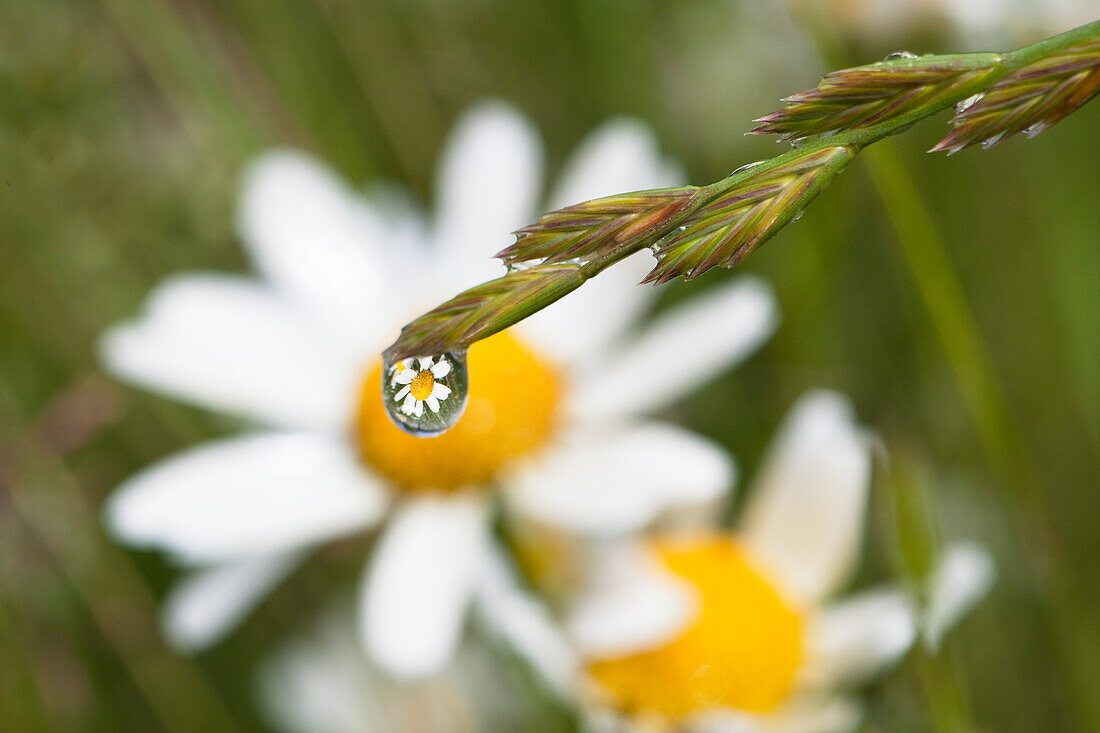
[
  {"x": 741, "y": 652},
  {"x": 514, "y": 398},
  {"x": 422, "y": 384}
]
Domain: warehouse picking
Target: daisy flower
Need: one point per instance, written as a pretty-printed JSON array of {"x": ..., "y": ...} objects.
[
  {"x": 420, "y": 385},
  {"x": 555, "y": 425},
  {"x": 978, "y": 22},
  {"x": 721, "y": 632}
]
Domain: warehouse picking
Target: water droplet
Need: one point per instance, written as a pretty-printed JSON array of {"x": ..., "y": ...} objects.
[
  {"x": 519, "y": 265},
  {"x": 901, "y": 55},
  {"x": 746, "y": 167},
  {"x": 425, "y": 396},
  {"x": 968, "y": 102},
  {"x": 798, "y": 216},
  {"x": 993, "y": 140},
  {"x": 1036, "y": 128}
]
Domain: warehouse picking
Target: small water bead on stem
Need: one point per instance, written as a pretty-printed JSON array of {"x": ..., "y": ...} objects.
[
  {"x": 901, "y": 55},
  {"x": 426, "y": 396},
  {"x": 968, "y": 102}
]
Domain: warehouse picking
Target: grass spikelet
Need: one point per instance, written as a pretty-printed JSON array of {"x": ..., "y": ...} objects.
[
  {"x": 485, "y": 309},
  {"x": 730, "y": 226},
  {"x": 598, "y": 228},
  {"x": 868, "y": 95},
  {"x": 1029, "y": 100}
]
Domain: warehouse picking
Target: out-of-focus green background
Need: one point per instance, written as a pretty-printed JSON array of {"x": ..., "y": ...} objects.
[{"x": 957, "y": 300}]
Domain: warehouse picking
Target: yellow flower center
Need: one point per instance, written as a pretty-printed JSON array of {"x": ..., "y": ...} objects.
[
  {"x": 741, "y": 652},
  {"x": 513, "y": 404},
  {"x": 421, "y": 385}
]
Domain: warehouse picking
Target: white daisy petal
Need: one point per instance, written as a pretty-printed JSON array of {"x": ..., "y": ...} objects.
[
  {"x": 426, "y": 363},
  {"x": 246, "y": 497},
  {"x": 850, "y": 641},
  {"x": 209, "y": 603},
  {"x": 405, "y": 376},
  {"x": 634, "y": 604},
  {"x": 962, "y": 577},
  {"x": 321, "y": 683},
  {"x": 524, "y": 622},
  {"x": 584, "y": 328},
  {"x": 725, "y": 720},
  {"x": 433, "y": 403},
  {"x": 419, "y": 582},
  {"x": 442, "y": 369},
  {"x": 224, "y": 343},
  {"x": 683, "y": 348},
  {"x": 440, "y": 391},
  {"x": 489, "y": 179},
  {"x": 620, "y": 480},
  {"x": 817, "y": 714},
  {"x": 401, "y": 393},
  {"x": 621, "y": 155},
  {"x": 409, "y": 408},
  {"x": 804, "y": 517},
  {"x": 418, "y": 408},
  {"x": 317, "y": 241}
]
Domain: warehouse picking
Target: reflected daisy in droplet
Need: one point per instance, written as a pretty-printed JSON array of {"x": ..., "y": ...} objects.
[
  {"x": 420, "y": 385},
  {"x": 296, "y": 353},
  {"x": 737, "y": 631}
]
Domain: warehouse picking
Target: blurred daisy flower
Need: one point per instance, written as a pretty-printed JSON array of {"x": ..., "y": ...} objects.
[
  {"x": 555, "y": 416},
  {"x": 721, "y": 632},
  {"x": 992, "y": 23}
]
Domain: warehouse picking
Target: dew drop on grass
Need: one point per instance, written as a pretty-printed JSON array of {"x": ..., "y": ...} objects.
[
  {"x": 426, "y": 396},
  {"x": 746, "y": 167},
  {"x": 901, "y": 55},
  {"x": 991, "y": 141},
  {"x": 968, "y": 102}
]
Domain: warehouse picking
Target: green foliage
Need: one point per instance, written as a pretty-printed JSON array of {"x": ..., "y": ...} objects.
[{"x": 124, "y": 125}]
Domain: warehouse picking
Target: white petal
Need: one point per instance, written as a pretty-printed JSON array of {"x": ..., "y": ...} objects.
[
  {"x": 850, "y": 641},
  {"x": 962, "y": 577},
  {"x": 246, "y": 497},
  {"x": 409, "y": 407},
  {"x": 620, "y": 480},
  {"x": 418, "y": 408},
  {"x": 524, "y": 623},
  {"x": 440, "y": 391},
  {"x": 582, "y": 329},
  {"x": 230, "y": 345},
  {"x": 419, "y": 583},
  {"x": 634, "y": 604},
  {"x": 488, "y": 184},
  {"x": 804, "y": 517},
  {"x": 817, "y": 714},
  {"x": 401, "y": 393},
  {"x": 683, "y": 348},
  {"x": 442, "y": 369},
  {"x": 432, "y": 402},
  {"x": 621, "y": 155},
  {"x": 405, "y": 376},
  {"x": 725, "y": 720},
  {"x": 826, "y": 714},
  {"x": 318, "y": 242},
  {"x": 321, "y": 684},
  {"x": 208, "y": 604}
]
